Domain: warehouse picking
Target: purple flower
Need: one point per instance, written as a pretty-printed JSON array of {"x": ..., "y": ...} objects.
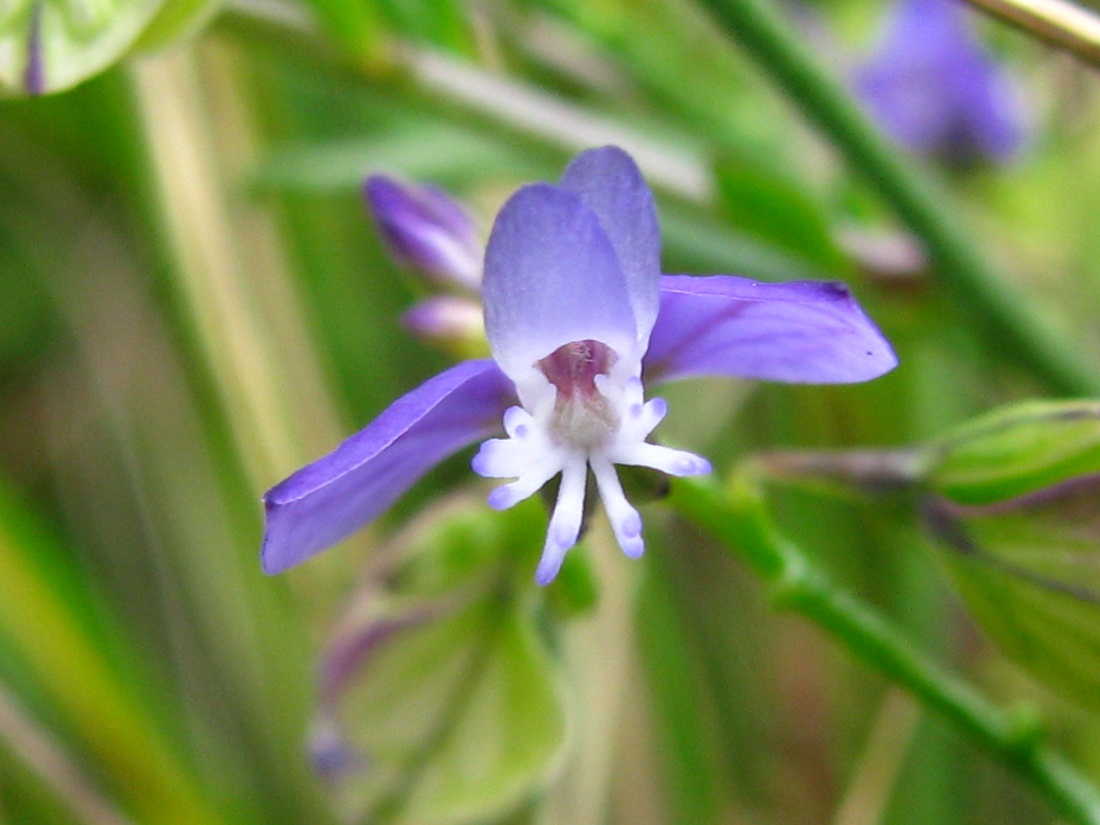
[
  {"x": 932, "y": 87},
  {"x": 577, "y": 315}
]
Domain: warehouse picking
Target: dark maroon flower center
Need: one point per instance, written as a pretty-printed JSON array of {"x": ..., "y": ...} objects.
[{"x": 573, "y": 368}]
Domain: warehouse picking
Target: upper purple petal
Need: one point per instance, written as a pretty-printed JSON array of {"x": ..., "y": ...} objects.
[
  {"x": 551, "y": 277},
  {"x": 331, "y": 498},
  {"x": 610, "y": 184},
  {"x": 799, "y": 332},
  {"x": 425, "y": 227}
]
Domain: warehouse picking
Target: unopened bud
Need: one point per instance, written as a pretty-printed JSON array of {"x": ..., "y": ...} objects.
[
  {"x": 447, "y": 319},
  {"x": 426, "y": 228},
  {"x": 1018, "y": 451}
]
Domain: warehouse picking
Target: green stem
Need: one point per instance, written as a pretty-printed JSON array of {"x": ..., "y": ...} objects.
[
  {"x": 1011, "y": 327},
  {"x": 738, "y": 518}
]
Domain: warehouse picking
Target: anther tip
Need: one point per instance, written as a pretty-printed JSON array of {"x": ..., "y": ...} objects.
[
  {"x": 633, "y": 547},
  {"x": 547, "y": 570},
  {"x": 501, "y": 498},
  {"x": 693, "y": 466}
]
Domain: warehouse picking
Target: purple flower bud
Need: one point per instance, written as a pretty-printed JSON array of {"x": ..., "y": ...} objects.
[
  {"x": 931, "y": 85},
  {"x": 446, "y": 318},
  {"x": 425, "y": 228}
]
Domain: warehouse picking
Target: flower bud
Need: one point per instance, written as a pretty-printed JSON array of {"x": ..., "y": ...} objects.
[
  {"x": 425, "y": 228},
  {"x": 446, "y": 319},
  {"x": 1018, "y": 451}
]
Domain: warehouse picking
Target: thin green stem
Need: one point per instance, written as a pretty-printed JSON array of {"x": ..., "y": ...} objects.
[
  {"x": 1007, "y": 319},
  {"x": 737, "y": 516}
]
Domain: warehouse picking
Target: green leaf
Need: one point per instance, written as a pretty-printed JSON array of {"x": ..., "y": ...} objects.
[
  {"x": 343, "y": 163},
  {"x": 355, "y": 24},
  {"x": 763, "y": 202},
  {"x": 458, "y": 720},
  {"x": 1016, "y": 451},
  {"x": 175, "y": 19},
  {"x": 441, "y": 22},
  {"x": 1032, "y": 579},
  {"x": 439, "y": 700}
]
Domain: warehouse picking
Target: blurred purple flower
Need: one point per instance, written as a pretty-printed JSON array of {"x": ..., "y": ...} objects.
[
  {"x": 930, "y": 85},
  {"x": 577, "y": 313},
  {"x": 426, "y": 228}
]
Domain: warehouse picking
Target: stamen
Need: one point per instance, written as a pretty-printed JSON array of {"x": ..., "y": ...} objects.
[
  {"x": 665, "y": 459},
  {"x": 625, "y": 521},
  {"x": 501, "y": 458},
  {"x": 525, "y": 486},
  {"x": 565, "y": 523}
]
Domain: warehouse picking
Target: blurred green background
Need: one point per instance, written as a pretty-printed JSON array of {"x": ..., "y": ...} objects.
[{"x": 194, "y": 303}]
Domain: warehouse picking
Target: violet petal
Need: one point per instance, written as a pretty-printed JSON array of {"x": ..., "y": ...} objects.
[
  {"x": 798, "y": 332},
  {"x": 551, "y": 277},
  {"x": 610, "y": 184},
  {"x": 329, "y": 499}
]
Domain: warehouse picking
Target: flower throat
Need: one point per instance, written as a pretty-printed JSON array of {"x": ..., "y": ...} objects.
[{"x": 583, "y": 416}]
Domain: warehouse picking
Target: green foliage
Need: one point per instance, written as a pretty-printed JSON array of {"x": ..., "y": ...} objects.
[
  {"x": 176, "y": 19},
  {"x": 439, "y": 681},
  {"x": 762, "y": 201},
  {"x": 76, "y": 40},
  {"x": 46, "y": 629},
  {"x": 1031, "y": 576},
  {"x": 457, "y": 722}
]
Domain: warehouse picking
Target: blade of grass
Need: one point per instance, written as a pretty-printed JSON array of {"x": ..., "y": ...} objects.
[
  {"x": 77, "y": 680},
  {"x": 34, "y": 745}
]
